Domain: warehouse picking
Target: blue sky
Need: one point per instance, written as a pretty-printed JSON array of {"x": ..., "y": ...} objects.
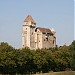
[
  {"x": 57, "y": 14},
  {"x": 74, "y": 19}
]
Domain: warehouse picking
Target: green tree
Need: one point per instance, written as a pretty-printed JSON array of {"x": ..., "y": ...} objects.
[
  {"x": 62, "y": 58},
  {"x": 72, "y": 48},
  {"x": 7, "y": 62},
  {"x": 40, "y": 60}
]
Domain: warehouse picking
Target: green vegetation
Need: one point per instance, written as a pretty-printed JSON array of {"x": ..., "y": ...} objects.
[
  {"x": 58, "y": 73},
  {"x": 26, "y": 61}
]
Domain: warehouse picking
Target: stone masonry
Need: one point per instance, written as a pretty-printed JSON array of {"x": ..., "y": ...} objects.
[{"x": 39, "y": 37}]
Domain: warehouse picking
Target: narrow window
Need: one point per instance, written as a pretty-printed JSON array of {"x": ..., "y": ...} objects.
[
  {"x": 47, "y": 39},
  {"x": 53, "y": 41}
]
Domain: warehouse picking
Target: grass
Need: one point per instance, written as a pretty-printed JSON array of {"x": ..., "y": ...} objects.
[
  {"x": 58, "y": 73},
  {"x": 54, "y": 73}
]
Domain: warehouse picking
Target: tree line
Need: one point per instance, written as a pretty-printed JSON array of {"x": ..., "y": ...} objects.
[{"x": 26, "y": 61}]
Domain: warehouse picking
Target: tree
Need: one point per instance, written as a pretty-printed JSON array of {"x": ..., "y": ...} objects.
[
  {"x": 7, "y": 62},
  {"x": 26, "y": 61},
  {"x": 72, "y": 46},
  {"x": 40, "y": 60},
  {"x": 62, "y": 58}
]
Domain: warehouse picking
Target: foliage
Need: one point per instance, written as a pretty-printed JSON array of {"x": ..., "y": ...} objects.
[
  {"x": 72, "y": 47},
  {"x": 26, "y": 61}
]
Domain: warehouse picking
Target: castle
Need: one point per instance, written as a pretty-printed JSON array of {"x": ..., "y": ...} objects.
[{"x": 35, "y": 38}]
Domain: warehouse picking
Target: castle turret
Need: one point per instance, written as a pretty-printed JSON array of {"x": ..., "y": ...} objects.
[
  {"x": 28, "y": 32},
  {"x": 54, "y": 37},
  {"x": 53, "y": 31}
]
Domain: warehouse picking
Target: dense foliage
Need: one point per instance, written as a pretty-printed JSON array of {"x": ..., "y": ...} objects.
[{"x": 26, "y": 61}]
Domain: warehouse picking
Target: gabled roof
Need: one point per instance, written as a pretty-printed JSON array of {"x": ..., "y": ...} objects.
[
  {"x": 29, "y": 18},
  {"x": 45, "y": 30}
]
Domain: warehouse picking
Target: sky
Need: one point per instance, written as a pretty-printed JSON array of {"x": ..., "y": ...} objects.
[
  {"x": 57, "y": 14},
  {"x": 74, "y": 19}
]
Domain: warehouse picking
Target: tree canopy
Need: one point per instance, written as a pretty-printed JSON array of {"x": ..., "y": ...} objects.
[{"x": 26, "y": 61}]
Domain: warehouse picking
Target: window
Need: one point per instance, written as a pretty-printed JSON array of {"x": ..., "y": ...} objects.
[
  {"x": 36, "y": 30},
  {"x": 47, "y": 38},
  {"x": 32, "y": 33},
  {"x": 26, "y": 28},
  {"x": 26, "y": 22},
  {"x": 53, "y": 41}
]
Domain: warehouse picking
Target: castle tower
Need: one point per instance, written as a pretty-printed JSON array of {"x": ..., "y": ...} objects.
[
  {"x": 54, "y": 37},
  {"x": 28, "y": 32}
]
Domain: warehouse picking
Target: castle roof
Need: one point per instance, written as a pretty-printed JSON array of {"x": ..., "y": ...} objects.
[
  {"x": 29, "y": 18},
  {"x": 45, "y": 30}
]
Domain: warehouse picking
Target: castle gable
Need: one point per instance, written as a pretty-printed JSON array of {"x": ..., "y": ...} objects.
[{"x": 45, "y": 30}]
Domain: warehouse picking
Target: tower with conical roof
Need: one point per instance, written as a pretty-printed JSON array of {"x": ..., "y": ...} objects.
[
  {"x": 35, "y": 38},
  {"x": 28, "y": 32}
]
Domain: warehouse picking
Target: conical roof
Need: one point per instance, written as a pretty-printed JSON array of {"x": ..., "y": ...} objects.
[{"x": 29, "y": 18}]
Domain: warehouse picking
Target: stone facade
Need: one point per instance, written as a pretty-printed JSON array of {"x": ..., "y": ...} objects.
[{"x": 35, "y": 38}]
